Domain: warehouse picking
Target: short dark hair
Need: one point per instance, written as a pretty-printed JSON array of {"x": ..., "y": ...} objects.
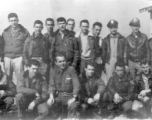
[
  {"x": 144, "y": 61},
  {"x": 49, "y": 19},
  {"x": 60, "y": 54},
  {"x": 60, "y": 19},
  {"x": 12, "y": 15},
  {"x": 70, "y": 19},
  {"x": 90, "y": 63},
  {"x": 97, "y": 24},
  {"x": 38, "y": 22},
  {"x": 119, "y": 64},
  {"x": 84, "y": 21},
  {"x": 34, "y": 62}
]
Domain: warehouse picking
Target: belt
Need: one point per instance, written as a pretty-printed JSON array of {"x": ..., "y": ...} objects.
[
  {"x": 65, "y": 94},
  {"x": 135, "y": 60}
]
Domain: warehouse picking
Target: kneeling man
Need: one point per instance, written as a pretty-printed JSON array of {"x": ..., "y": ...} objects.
[
  {"x": 121, "y": 88},
  {"x": 32, "y": 91}
]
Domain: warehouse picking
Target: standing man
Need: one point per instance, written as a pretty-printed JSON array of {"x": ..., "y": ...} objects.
[
  {"x": 32, "y": 92},
  {"x": 137, "y": 48},
  {"x": 113, "y": 48},
  {"x": 91, "y": 94},
  {"x": 64, "y": 87},
  {"x": 65, "y": 42},
  {"x": 96, "y": 30},
  {"x": 14, "y": 38},
  {"x": 70, "y": 25},
  {"x": 36, "y": 47},
  {"x": 49, "y": 37},
  {"x": 121, "y": 88},
  {"x": 86, "y": 45}
]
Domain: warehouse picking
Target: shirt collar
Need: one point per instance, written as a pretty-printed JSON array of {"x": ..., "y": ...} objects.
[
  {"x": 136, "y": 35},
  {"x": 114, "y": 36},
  {"x": 37, "y": 35}
]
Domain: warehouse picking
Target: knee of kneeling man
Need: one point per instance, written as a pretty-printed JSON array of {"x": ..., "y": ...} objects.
[
  {"x": 44, "y": 111},
  {"x": 84, "y": 107},
  {"x": 19, "y": 96},
  {"x": 127, "y": 105},
  {"x": 136, "y": 105},
  {"x": 9, "y": 100}
]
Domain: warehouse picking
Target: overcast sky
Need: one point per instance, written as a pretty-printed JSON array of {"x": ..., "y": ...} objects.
[{"x": 93, "y": 10}]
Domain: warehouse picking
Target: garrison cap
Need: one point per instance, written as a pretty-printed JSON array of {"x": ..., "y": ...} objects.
[
  {"x": 112, "y": 23},
  {"x": 135, "y": 22}
]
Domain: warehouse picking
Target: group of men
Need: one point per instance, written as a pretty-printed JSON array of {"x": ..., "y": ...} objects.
[{"x": 59, "y": 73}]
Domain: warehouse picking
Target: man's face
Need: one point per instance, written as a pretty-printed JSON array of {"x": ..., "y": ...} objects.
[
  {"x": 38, "y": 28},
  {"x": 13, "y": 21},
  {"x": 62, "y": 25},
  {"x": 113, "y": 30},
  {"x": 135, "y": 29},
  {"x": 96, "y": 30},
  {"x": 119, "y": 71},
  {"x": 145, "y": 68},
  {"x": 89, "y": 70},
  {"x": 70, "y": 25},
  {"x": 33, "y": 70},
  {"x": 60, "y": 62},
  {"x": 84, "y": 27},
  {"x": 49, "y": 26}
]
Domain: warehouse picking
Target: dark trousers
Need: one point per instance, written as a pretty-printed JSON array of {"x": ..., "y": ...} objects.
[
  {"x": 61, "y": 108},
  {"x": 23, "y": 102},
  {"x": 90, "y": 111},
  {"x": 6, "y": 103}
]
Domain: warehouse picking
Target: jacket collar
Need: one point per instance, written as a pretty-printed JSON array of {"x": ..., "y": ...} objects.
[
  {"x": 119, "y": 36},
  {"x": 85, "y": 78},
  {"x": 138, "y": 34},
  {"x": 140, "y": 76},
  {"x": 37, "y": 36},
  {"x": 66, "y": 33},
  {"x": 115, "y": 36},
  {"x": 49, "y": 34},
  {"x": 77, "y": 35},
  {"x": 26, "y": 75},
  {"x": 58, "y": 70},
  {"x": 124, "y": 78},
  {"x": 21, "y": 28}
]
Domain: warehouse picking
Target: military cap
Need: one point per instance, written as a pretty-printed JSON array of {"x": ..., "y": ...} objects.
[
  {"x": 135, "y": 22},
  {"x": 112, "y": 23}
]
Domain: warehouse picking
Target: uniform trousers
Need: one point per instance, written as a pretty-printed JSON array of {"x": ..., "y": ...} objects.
[
  {"x": 61, "y": 108},
  {"x": 13, "y": 65}
]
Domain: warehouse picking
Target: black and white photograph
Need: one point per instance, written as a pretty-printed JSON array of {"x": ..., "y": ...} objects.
[{"x": 76, "y": 60}]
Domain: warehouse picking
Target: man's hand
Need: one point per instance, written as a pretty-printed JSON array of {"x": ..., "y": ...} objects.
[
  {"x": 140, "y": 97},
  {"x": 98, "y": 60},
  {"x": 37, "y": 95},
  {"x": 50, "y": 101},
  {"x": 2, "y": 92},
  {"x": 31, "y": 106},
  {"x": 70, "y": 101},
  {"x": 117, "y": 98},
  {"x": 90, "y": 101},
  {"x": 96, "y": 97},
  {"x": 143, "y": 93},
  {"x": 146, "y": 99}
]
